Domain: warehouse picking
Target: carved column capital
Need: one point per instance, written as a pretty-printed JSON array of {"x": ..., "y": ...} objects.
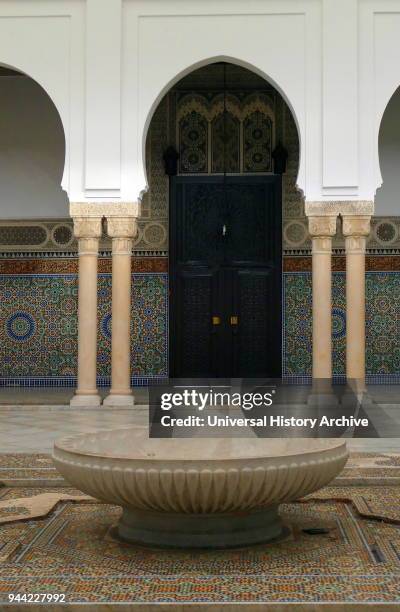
[
  {"x": 122, "y": 227},
  {"x": 356, "y": 229},
  {"x": 86, "y": 227},
  {"x": 122, "y": 230},
  {"x": 321, "y": 244},
  {"x": 322, "y": 226},
  {"x": 88, "y": 232},
  {"x": 356, "y": 225},
  {"x": 321, "y": 230}
]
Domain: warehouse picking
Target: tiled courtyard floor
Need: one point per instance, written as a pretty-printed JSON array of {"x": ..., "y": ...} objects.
[
  {"x": 354, "y": 564},
  {"x": 72, "y": 550},
  {"x": 33, "y": 430},
  {"x": 31, "y": 419}
]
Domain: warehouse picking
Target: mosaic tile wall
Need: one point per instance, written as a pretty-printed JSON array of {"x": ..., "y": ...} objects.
[
  {"x": 38, "y": 328},
  {"x": 382, "y": 325},
  {"x": 38, "y": 324}
]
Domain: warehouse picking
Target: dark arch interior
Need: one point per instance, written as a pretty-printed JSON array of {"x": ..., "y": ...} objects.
[
  {"x": 387, "y": 196},
  {"x": 32, "y": 149}
]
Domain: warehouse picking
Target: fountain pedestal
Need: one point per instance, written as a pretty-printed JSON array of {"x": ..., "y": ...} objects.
[
  {"x": 192, "y": 492},
  {"x": 222, "y": 530}
]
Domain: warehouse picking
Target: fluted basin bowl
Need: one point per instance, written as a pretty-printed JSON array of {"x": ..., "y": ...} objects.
[{"x": 194, "y": 492}]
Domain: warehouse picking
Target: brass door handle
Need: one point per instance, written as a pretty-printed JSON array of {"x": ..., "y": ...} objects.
[{"x": 234, "y": 320}]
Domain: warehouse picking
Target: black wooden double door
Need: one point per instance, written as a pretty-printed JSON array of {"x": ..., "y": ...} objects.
[{"x": 225, "y": 276}]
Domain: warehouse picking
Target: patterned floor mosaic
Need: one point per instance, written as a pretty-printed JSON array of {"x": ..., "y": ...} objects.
[
  {"x": 356, "y": 559},
  {"x": 55, "y": 539},
  {"x": 26, "y": 466}
]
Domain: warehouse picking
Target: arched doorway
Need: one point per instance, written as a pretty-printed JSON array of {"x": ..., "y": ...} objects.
[{"x": 223, "y": 140}]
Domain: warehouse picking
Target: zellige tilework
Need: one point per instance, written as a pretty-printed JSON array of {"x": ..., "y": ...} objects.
[
  {"x": 38, "y": 326},
  {"x": 382, "y": 325},
  {"x": 73, "y": 551}
]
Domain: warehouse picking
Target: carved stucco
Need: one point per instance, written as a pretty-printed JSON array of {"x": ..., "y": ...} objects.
[
  {"x": 322, "y": 226},
  {"x": 104, "y": 209},
  {"x": 356, "y": 226},
  {"x": 87, "y": 227},
  {"x": 258, "y": 102},
  {"x": 121, "y": 227},
  {"x": 339, "y": 207}
]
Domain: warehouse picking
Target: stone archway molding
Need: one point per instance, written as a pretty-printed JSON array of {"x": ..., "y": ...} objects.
[{"x": 151, "y": 106}]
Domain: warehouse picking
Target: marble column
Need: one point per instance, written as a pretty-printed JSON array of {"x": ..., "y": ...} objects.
[
  {"x": 355, "y": 230},
  {"x": 322, "y": 228},
  {"x": 88, "y": 232},
  {"x": 122, "y": 230}
]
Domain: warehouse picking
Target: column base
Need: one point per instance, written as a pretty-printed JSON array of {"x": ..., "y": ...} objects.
[
  {"x": 322, "y": 393},
  {"x": 352, "y": 399},
  {"x": 88, "y": 401},
  {"x": 115, "y": 400}
]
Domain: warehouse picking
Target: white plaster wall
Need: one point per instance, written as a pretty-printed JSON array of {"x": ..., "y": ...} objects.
[
  {"x": 103, "y": 99},
  {"x": 106, "y": 63},
  {"x": 32, "y": 152},
  {"x": 340, "y": 98},
  {"x": 273, "y": 38}
]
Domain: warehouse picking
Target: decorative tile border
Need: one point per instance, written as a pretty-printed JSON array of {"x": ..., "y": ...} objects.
[
  {"x": 44, "y": 238},
  {"x": 70, "y": 266},
  {"x": 373, "y": 263},
  {"x": 67, "y": 382}
]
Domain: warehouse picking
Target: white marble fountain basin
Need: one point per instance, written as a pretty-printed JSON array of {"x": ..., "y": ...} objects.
[{"x": 196, "y": 492}]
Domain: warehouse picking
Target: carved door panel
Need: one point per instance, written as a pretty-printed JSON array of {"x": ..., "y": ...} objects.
[
  {"x": 225, "y": 276},
  {"x": 256, "y": 347}
]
